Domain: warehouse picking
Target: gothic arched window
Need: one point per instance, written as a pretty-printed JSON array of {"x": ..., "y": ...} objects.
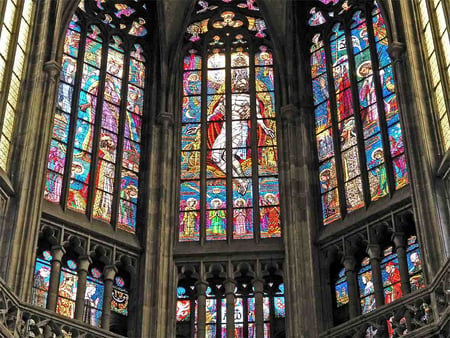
[
  {"x": 229, "y": 173},
  {"x": 95, "y": 151},
  {"x": 15, "y": 17},
  {"x": 435, "y": 30},
  {"x": 359, "y": 138}
]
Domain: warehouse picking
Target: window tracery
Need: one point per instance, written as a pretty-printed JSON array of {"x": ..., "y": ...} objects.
[
  {"x": 229, "y": 173},
  {"x": 95, "y": 151},
  {"x": 359, "y": 139}
]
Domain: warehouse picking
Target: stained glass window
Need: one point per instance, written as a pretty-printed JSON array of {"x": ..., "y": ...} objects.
[
  {"x": 436, "y": 39},
  {"x": 216, "y": 312},
  {"x": 120, "y": 293},
  {"x": 391, "y": 276},
  {"x": 41, "y": 279},
  {"x": 341, "y": 289},
  {"x": 358, "y": 134},
  {"x": 229, "y": 172},
  {"x": 366, "y": 287},
  {"x": 94, "y": 157},
  {"x": 93, "y": 297},
  {"x": 67, "y": 291},
  {"x": 415, "y": 269},
  {"x": 14, "y": 36}
]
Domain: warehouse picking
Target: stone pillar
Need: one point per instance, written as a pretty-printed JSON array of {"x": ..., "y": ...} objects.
[
  {"x": 258, "y": 285},
  {"x": 201, "y": 300},
  {"x": 109, "y": 272},
  {"x": 353, "y": 294},
  {"x": 229, "y": 294},
  {"x": 400, "y": 247},
  {"x": 57, "y": 255},
  {"x": 82, "y": 272},
  {"x": 374, "y": 252}
]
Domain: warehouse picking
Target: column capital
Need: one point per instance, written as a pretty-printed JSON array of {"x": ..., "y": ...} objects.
[
  {"x": 349, "y": 263},
  {"x": 258, "y": 284},
  {"x": 109, "y": 272},
  {"x": 58, "y": 252},
  {"x": 289, "y": 113},
  {"x": 396, "y": 51},
  {"x": 374, "y": 251},
  {"x": 53, "y": 69},
  {"x": 399, "y": 239},
  {"x": 229, "y": 284},
  {"x": 83, "y": 263},
  {"x": 165, "y": 119},
  {"x": 201, "y": 287}
]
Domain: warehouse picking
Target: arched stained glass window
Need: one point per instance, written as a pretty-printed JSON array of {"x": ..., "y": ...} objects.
[
  {"x": 435, "y": 30},
  {"x": 359, "y": 138},
  {"x": 391, "y": 276},
  {"x": 95, "y": 151},
  {"x": 415, "y": 268},
  {"x": 229, "y": 173},
  {"x": 15, "y": 18}
]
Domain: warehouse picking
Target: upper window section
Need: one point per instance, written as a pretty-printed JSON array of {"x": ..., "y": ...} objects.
[
  {"x": 229, "y": 173},
  {"x": 15, "y": 23},
  {"x": 433, "y": 15},
  {"x": 95, "y": 151},
  {"x": 358, "y": 133}
]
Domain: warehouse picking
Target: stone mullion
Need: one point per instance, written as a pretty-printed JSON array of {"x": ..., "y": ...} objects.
[
  {"x": 254, "y": 145},
  {"x": 73, "y": 120},
  {"x": 230, "y": 300},
  {"x": 388, "y": 161},
  {"x": 399, "y": 240},
  {"x": 353, "y": 294},
  {"x": 258, "y": 285},
  {"x": 201, "y": 287},
  {"x": 229, "y": 142},
  {"x": 82, "y": 272},
  {"x": 203, "y": 143},
  {"x": 374, "y": 252},
  {"x": 57, "y": 255},
  {"x": 109, "y": 272}
]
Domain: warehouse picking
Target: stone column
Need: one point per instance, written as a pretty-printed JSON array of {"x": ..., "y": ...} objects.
[
  {"x": 201, "y": 300},
  {"x": 353, "y": 294},
  {"x": 374, "y": 252},
  {"x": 109, "y": 272},
  {"x": 57, "y": 255},
  {"x": 399, "y": 240},
  {"x": 258, "y": 285},
  {"x": 229, "y": 294},
  {"x": 82, "y": 272}
]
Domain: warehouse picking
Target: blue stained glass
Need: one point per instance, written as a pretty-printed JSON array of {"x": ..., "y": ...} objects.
[
  {"x": 192, "y": 108},
  {"x": 57, "y": 157},
  {"x": 216, "y": 194},
  {"x": 84, "y": 135},
  {"x": 133, "y": 127},
  {"x": 322, "y": 117},
  {"x": 87, "y": 106},
  {"x": 347, "y": 133},
  {"x": 90, "y": 79},
  {"x": 279, "y": 307},
  {"x": 80, "y": 166},
  {"x": 318, "y": 62},
  {"x": 240, "y": 194},
  {"x": 357, "y": 19},
  {"x": 341, "y": 289},
  {"x": 127, "y": 216},
  {"x": 327, "y": 176},
  {"x": 374, "y": 151},
  {"x": 338, "y": 46},
  {"x": 391, "y": 108},
  {"x": 264, "y": 79},
  {"x": 73, "y": 24},
  {"x": 316, "y": 18},
  {"x": 119, "y": 281},
  {"x": 363, "y": 64},
  {"x": 131, "y": 155},
  {"x": 93, "y": 299},
  {"x": 190, "y": 165},
  {"x": 190, "y": 137},
  {"x": 395, "y": 139},
  {"x": 129, "y": 186},
  {"x": 383, "y": 55},
  {"x": 378, "y": 183},
  {"x": 366, "y": 287},
  {"x": 320, "y": 89},
  {"x": 93, "y": 55},
  {"x": 268, "y": 191},
  {"x": 68, "y": 70},
  {"x": 387, "y": 80},
  {"x": 190, "y": 189},
  {"x": 64, "y": 100},
  {"x": 192, "y": 62},
  {"x": 41, "y": 281},
  {"x": 137, "y": 73},
  {"x": 360, "y": 39},
  {"x": 325, "y": 146},
  {"x": 135, "y": 100}
]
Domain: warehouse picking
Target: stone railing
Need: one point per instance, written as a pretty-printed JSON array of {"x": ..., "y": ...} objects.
[
  {"x": 18, "y": 319},
  {"x": 423, "y": 313}
]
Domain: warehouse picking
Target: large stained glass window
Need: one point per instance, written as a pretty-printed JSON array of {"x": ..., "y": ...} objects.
[
  {"x": 41, "y": 280},
  {"x": 435, "y": 30},
  {"x": 95, "y": 151},
  {"x": 358, "y": 134},
  {"x": 15, "y": 23},
  {"x": 366, "y": 287},
  {"x": 229, "y": 173}
]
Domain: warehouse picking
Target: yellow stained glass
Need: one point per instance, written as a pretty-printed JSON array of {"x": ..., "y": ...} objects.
[
  {"x": 5, "y": 39},
  {"x": 445, "y": 130},
  {"x": 23, "y": 33},
  {"x": 8, "y": 122},
  {"x": 423, "y": 13},
  {"x": 27, "y": 10},
  {"x": 434, "y": 68},
  {"x": 4, "y": 150},
  {"x": 19, "y": 61},
  {"x": 10, "y": 11},
  {"x": 429, "y": 44},
  {"x": 440, "y": 19}
]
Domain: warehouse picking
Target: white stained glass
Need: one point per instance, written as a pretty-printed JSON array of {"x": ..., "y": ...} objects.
[{"x": 10, "y": 11}]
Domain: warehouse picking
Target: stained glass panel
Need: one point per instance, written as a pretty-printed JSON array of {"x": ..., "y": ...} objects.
[
  {"x": 366, "y": 287},
  {"x": 391, "y": 276},
  {"x": 341, "y": 289}
]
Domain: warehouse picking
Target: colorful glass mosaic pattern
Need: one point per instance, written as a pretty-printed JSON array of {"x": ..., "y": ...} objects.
[
  {"x": 341, "y": 289},
  {"x": 229, "y": 156},
  {"x": 96, "y": 145},
  {"x": 390, "y": 276},
  {"x": 366, "y": 287},
  {"x": 13, "y": 48},
  {"x": 351, "y": 175},
  {"x": 67, "y": 291},
  {"x": 41, "y": 279},
  {"x": 93, "y": 298},
  {"x": 415, "y": 267},
  {"x": 120, "y": 296}
]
